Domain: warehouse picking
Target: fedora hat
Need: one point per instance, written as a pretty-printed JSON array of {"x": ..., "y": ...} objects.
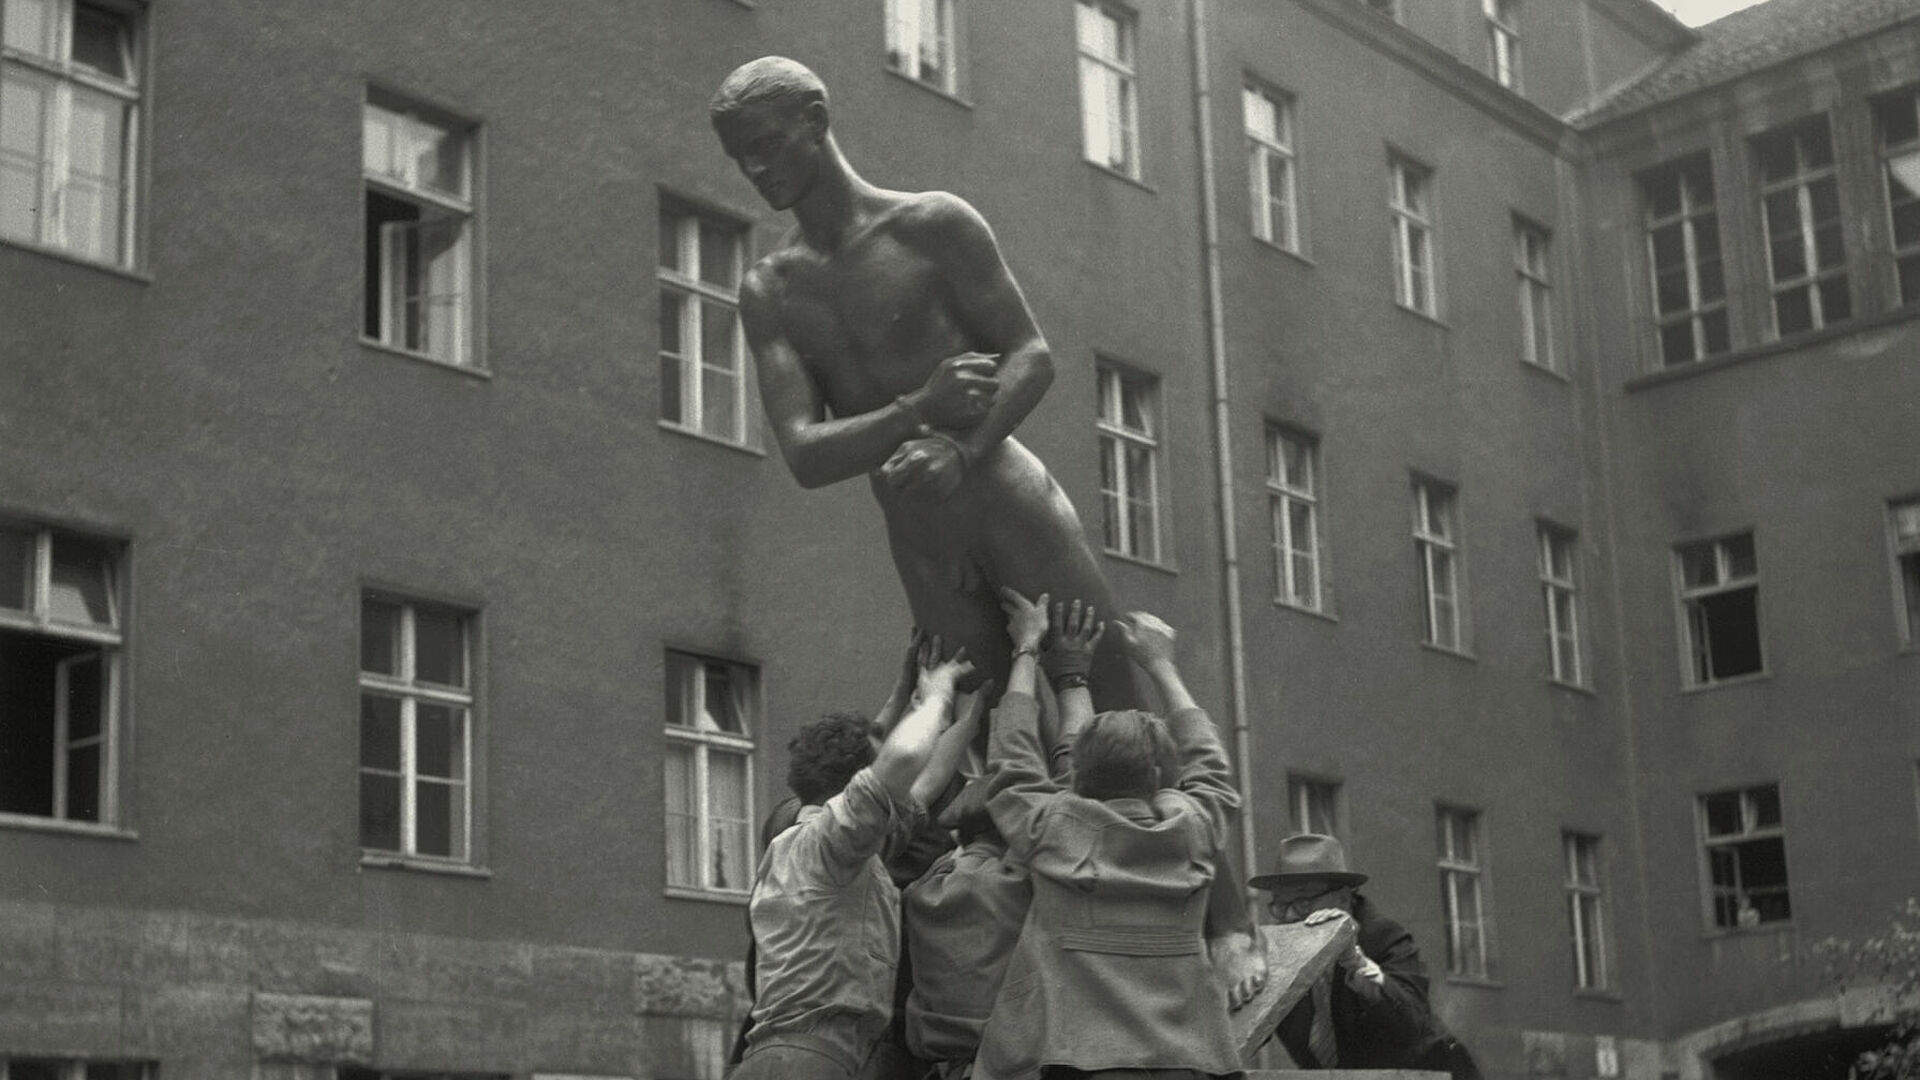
[{"x": 1309, "y": 857}]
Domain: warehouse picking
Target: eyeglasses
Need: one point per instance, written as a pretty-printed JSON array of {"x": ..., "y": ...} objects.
[{"x": 1299, "y": 907}]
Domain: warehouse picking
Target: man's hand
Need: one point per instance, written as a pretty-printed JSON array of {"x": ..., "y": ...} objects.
[
  {"x": 926, "y": 469},
  {"x": 960, "y": 391},
  {"x": 1242, "y": 962},
  {"x": 1026, "y": 619},
  {"x": 938, "y": 676},
  {"x": 1077, "y": 632},
  {"x": 1145, "y": 638},
  {"x": 1364, "y": 977}
]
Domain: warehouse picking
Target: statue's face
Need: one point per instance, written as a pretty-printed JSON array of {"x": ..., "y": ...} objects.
[{"x": 777, "y": 148}]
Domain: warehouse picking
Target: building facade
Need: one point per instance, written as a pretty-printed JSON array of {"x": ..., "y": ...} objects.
[{"x": 403, "y": 609}]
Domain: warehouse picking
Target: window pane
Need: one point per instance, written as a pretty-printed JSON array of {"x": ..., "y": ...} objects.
[
  {"x": 379, "y": 637},
  {"x": 379, "y": 811},
  {"x": 1765, "y": 803},
  {"x": 379, "y": 732},
  {"x": 440, "y": 741},
  {"x": 437, "y": 815},
  {"x": 100, "y": 40},
  {"x": 439, "y": 647},
  {"x": 1698, "y": 566},
  {"x": 83, "y": 783},
  {"x": 1740, "y": 560},
  {"x": 1723, "y": 814},
  {"x": 681, "y": 815},
  {"x": 1836, "y": 302},
  {"x": 720, "y": 710},
  {"x": 727, "y": 803},
  {"x": 718, "y": 247},
  {"x": 439, "y": 158},
  {"x": 17, "y": 555},
  {"x": 86, "y": 696},
  {"x": 82, "y": 582}
]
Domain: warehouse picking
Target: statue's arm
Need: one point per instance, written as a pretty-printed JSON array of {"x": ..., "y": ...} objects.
[
  {"x": 994, "y": 312},
  {"x": 818, "y": 451}
]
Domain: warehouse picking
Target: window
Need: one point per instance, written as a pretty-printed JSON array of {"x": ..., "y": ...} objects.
[
  {"x": 60, "y": 647},
  {"x": 69, "y": 124},
  {"x": 1583, "y": 911},
  {"x": 1806, "y": 253},
  {"x": 416, "y": 728},
  {"x": 1109, "y": 101},
  {"x": 1270, "y": 168},
  {"x": 1898, "y": 121},
  {"x": 419, "y": 222},
  {"x": 1129, "y": 449},
  {"x": 1683, "y": 244},
  {"x": 1532, "y": 256},
  {"x": 1503, "y": 37},
  {"x": 703, "y": 352},
  {"x": 1412, "y": 235},
  {"x": 1904, "y": 516},
  {"x": 1462, "y": 897},
  {"x": 348, "y": 1072},
  {"x": 711, "y": 706},
  {"x": 1746, "y": 851},
  {"x": 32, "y": 1068},
  {"x": 1313, "y": 804},
  {"x": 1434, "y": 541},
  {"x": 1720, "y": 601},
  {"x": 920, "y": 42},
  {"x": 1293, "y": 501},
  {"x": 1558, "y": 587}
]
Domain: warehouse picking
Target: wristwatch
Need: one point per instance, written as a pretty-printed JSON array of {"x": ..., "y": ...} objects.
[{"x": 1072, "y": 680}]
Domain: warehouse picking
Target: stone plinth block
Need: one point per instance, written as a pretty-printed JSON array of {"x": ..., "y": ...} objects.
[
  {"x": 1344, "y": 1074},
  {"x": 1297, "y": 954},
  {"x": 288, "y": 1027}
]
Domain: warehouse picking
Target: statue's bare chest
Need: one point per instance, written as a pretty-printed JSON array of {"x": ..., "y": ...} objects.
[{"x": 864, "y": 312}]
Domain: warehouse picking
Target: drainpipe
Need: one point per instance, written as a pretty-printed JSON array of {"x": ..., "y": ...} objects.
[{"x": 1197, "y": 28}]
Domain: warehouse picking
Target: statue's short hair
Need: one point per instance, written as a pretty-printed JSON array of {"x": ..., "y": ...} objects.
[
  {"x": 826, "y": 753},
  {"x": 1115, "y": 755},
  {"x": 771, "y": 80}
]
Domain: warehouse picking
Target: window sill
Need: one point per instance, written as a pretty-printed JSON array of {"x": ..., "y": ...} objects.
[
  {"x": 29, "y": 823},
  {"x": 1573, "y": 687},
  {"x": 1691, "y": 368},
  {"x": 1722, "y": 933},
  {"x": 695, "y": 433},
  {"x": 950, "y": 97},
  {"x": 1425, "y": 317},
  {"x": 1279, "y": 249},
  {"x": 465, "y": 369},
  {"x": 1457, "y": 654},
  {"x": 1478, "y": 982},
  {"x": 1144, "y": 564},
  {"x": 1302, "y": 609},
  {"x": 1552, "y": 373},
  {"x": 1108, "y": 170},
  {"x": 66, "y": 256},
  {"x": 1722, "y": 684},
  {"x": 1599, "y": 994},
  {"x": 371, "y": 860},
  {"x": 714, "y": 896}
]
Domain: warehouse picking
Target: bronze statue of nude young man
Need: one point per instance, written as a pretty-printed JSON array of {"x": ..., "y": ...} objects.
[{"x": 891, "y": 340}]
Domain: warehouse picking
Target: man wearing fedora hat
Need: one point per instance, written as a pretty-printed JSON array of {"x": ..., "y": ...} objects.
[{"x": 1371, "y": 1009}]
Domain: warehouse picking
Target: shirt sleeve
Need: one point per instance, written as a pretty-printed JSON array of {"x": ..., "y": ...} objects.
[
  {"x": 854, "y": 825},
  {"x": 1021, "y": 786},
  {"x": 1204, "y": 775}
]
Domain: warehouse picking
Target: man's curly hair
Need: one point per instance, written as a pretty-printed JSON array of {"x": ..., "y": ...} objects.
[{"x": 826, "y": 753}]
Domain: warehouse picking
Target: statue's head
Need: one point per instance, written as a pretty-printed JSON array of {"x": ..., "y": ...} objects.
[
  {"x": 1126, "y": 754},
  {"x": 771, "y": 117}
]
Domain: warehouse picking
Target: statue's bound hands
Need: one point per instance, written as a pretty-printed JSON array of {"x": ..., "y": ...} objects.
[
  {"x": 961, "y": 390},
  {"x": 926, "y": 469}
]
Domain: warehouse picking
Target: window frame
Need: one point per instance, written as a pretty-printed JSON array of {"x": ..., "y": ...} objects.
[
  {"x": 1430, "y": 547},
  {"x": 1283, "y": 495},
  {"x": 1906, "y": 258},
  {"x": 1123, "y": 71},
  {"x": 68, "y": 76},
  {"x": 109, "y": 641},
  {"x": 945, "y": 37},
  {"x": 461, "y": 209},
  {"x": 1264, "y": 149},
  {"x": 1565, "y": 641},
  {"x": 1586, "y": 911},
  {"x": 1503, "y": 41},
  {"x": 1693, "y": 209},
  {"x": 1308, "y": 791},
  {"x": 695, "y": 294},
  {"x": 1751, "y": 832},
  {"x": 1112, "y": 381},
  {"x": 1533, "y": 269},
  {"x": 1696, "y": 650},
  {"x": 1455, "y": 871},
  {"x": 703, "y": 744},
  {"x": 1410, "y": 218},
  {"x": 1905, "y": 553},
  {"x": 411, "y": 691},
  {"x": 1802, "y": 184}
]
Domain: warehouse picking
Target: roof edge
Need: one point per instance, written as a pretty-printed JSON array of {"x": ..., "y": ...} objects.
[{"x": 1656, "y": 23}]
